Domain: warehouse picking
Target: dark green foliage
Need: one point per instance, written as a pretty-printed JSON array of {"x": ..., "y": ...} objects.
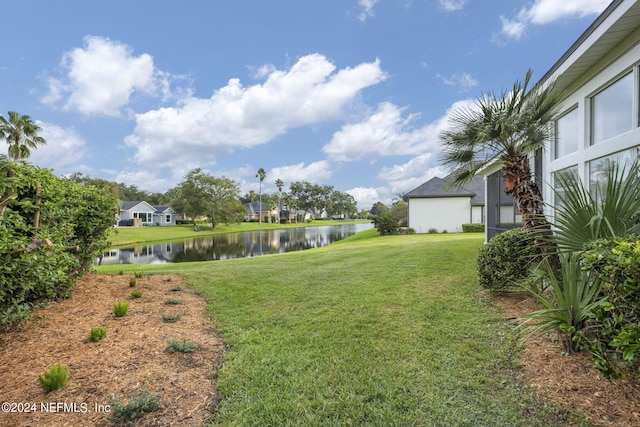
[
  {"x": 97, "y": 334},
  {"x": 135, "y": 294},
  {"x": 182, "y": 346},
  {"x": 132, "y": 283},
  {"x": 173, "y": 301},
  {"x": 505, "y": 261},
  {"x": 386, "y": 224},
  {"x": 617, "y": 263},
  {"x": 50, "y": 231},
  {"x": 136, "y": 407},
  {"x": 473, "y": 228},
  {"x": 139, "y": 274},
  {"x": 54, "y": 378},
  {"x": 171, "y": 317}
]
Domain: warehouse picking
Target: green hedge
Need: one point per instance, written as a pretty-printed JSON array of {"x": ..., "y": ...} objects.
[
  {"x": 50, "y": 231},
  {"x": 505, "y": 261},
  {"x": 473, "y": 228}
]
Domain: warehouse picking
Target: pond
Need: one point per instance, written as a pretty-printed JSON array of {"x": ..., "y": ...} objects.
[{"x": 232, "y": 245}]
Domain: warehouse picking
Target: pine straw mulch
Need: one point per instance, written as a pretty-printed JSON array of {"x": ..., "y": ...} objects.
[
  {"x": 133, "y": 357},
  {"x": 573, "y": 381},
  {"x": 130, "y": 359}
]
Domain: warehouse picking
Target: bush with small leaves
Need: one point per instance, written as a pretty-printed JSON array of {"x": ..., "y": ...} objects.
[
  {"x": 97, "y": 334},
  {"x": 171, "y": 317},
  {"x": 135, "y": 294},
  {"x": 135, "y": 408},
  {"x": 182, "y": 346},
  {"x": 176, "y": 289},
  {"x": 132, "y": 283},
  {"x": 173, "y": 301},
  {"x": 139, "y": 274},
  {"x": 55, "y": 378},
  {"x": 120, "y": 308}
]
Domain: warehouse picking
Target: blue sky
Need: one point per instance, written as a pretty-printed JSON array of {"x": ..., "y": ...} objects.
[{"x": 349, "y": 93}]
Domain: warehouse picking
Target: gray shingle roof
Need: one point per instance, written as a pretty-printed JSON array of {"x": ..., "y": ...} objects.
[{"x": 437, "y": 187}]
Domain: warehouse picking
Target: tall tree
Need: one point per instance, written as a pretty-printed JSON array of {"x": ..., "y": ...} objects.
[
  {"x": 508, "y": 128},
  {"x": 261, "y": 175},
  {"x": 280, "y": 185},
  {"x": 21, "y": 133}
]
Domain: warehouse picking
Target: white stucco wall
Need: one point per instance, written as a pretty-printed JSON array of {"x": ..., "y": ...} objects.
[{"x": 440, "y": 213}]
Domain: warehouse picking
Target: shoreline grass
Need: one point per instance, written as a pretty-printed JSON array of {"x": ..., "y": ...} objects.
[
  {"x": 371, "y": 330},
  {"x": 126, "y": 236}
]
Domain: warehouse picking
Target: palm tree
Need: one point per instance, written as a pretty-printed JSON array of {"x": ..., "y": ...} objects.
[
  {"x": 280, "y": 185},
  {"x": 21, "y": 134},
  {"x": 507, "y": 128},
  {"x": 262, "y": 175}
]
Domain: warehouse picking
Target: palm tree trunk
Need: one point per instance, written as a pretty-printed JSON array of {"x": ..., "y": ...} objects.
[{"x": 526, "y": 192}]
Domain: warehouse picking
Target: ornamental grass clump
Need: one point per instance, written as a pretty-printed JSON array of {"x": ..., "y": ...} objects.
[
  {"x": 135, "y": 408},
  {"x": 171, "y": 317},
  {"x": 55, "y": 378},
  {"x": 182, "y": 346},
  {"x": 120, "y": 308},
  {"x": 135, "y": 294},
  {"x": 97, "y": 334}
]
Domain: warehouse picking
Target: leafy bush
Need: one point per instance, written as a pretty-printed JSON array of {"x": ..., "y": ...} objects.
[
  {"x": 173, "y": 301},
  {"x": 505, "y": 261},
  {"x": 97, "y": 334},
  {"x": 473, "y": 228},
  {"x": 55, "y": 378},
  {"x": 51, "y": 230},
  {"x": 617, "y": 322},
  {"x": 139, "y": 274},
  {"x": 135, "y": 408},
  {"x": 120, "y": 308},
  {"x": 132, "y": 283},
  {"x": 386, "y": 223},
  {"x": 135, "y": 294}
]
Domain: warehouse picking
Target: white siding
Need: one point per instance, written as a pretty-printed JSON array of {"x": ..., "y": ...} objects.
[{"x": 439, "y": 213}]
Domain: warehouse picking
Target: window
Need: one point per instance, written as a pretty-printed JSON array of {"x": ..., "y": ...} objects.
[
  {"x": 167, "y": 219},
  {"x": 144, "y": 216},
  {"x": 612, "y": 110},
  {"x": 566, "y": 141},
  {"x": 559, "y": 191},
  {"x": 598, "y": 169}
]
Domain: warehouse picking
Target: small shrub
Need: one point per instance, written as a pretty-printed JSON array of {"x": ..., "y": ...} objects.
[
  {"x": 132, "y": 283},
  {"x": 121, "y": 272},
  {"x": 171, "y": 317},
  {"x": 139, "y": 274},
  {"x": 182, "y": 346},
  {"x": 505, "y": 261},
  {"x": 386, "y": 224},
  {"x": 135, "y": 294},
  {"x": 55, "y": 378},
  {"x": 173, "y": 301},
  {"x": 176, "y": 289},
  {"x": 472, "y": 228},
  {"x": 432, "y": 231},
  {"x": 135, "y": 408},
  {"x": 120, "y": 308},
  {"x": 97, "y": 334}
]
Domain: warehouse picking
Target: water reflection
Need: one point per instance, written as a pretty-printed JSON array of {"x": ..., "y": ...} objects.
[{"x": 232, "y": 245}]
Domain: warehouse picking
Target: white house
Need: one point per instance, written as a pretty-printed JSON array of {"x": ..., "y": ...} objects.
[
  {"x": 433, "y": 206},
  {"x": 139, "y": 213},
  {"x": 599, "y": 120}
]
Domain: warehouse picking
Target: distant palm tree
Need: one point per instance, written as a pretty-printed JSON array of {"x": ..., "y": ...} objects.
[
  {"x": 262, "y": 175},
  {"x": 507, "y": 128},
  {"x": 280, "y": 185},
  {"x": 21, "y": 134}
]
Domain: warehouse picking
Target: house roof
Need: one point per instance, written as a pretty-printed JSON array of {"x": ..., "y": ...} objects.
[
  {"x": 438, "y": 187},
  {"x": 163, "y": 208},
  {"x": 601, "y": 39},
  {"x": 254, "y": 208},
  {"x": 126, "y": 205}
]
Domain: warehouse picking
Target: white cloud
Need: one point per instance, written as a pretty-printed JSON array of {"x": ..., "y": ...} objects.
[
  {"x": 452, "y": 5},
  {"x": 101, "y": 77},
  {"x": 366, "y": 197},
  {"x": 547, "y": 11},
  {"x": 385, "y": 133},
  {"x": 315, "y": 172},
  {"x": 463, "y": 81},
  {"x": 367, "y": 9},
  {"x": 63, "y": 151},
  {"x": 405, "y": 177},
  {"x": 312, "y": 91}
]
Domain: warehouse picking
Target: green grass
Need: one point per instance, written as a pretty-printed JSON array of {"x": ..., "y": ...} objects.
[
  {"x": 376, "y": 331},
  {"x": 123, "y": 236}
]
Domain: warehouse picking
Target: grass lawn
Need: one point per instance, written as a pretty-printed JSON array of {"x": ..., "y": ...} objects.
[
  {"x": 123, "y": 236},
  {"x": 376, "y": 331}
]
